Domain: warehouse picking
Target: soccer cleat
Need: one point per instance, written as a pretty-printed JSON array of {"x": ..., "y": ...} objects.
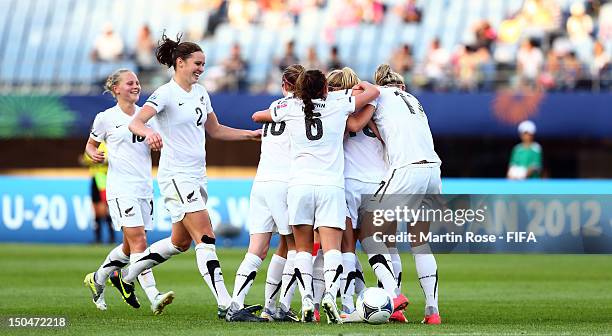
[
  {"x": 432, "y": 316},
  {"x": 432, "y": 319},
  {"x": 400, "y": 302},
  {"x": 97, "y": 291},
  {"x": 285, "y": 316},
  {"x": 252, "y": 308},
  {"x": 267, "y": 314},
  {"x": 331, "y": 309},
  {"x": 350, "y": 317},
  {"x": 236, "y": 314},
  {"x": 308, "y": 309},
  {"x": 398, "y": 316},
  {"x": 161, "y": 301},
  {"x": 317, "y": 315},
  {"x": 222, "y": 312},
  {"x": 125, "y": 289}
]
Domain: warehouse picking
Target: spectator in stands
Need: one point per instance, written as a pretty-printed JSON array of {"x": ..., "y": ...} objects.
[
  {"x": 312, "y": 60},
  {"x": 242, "y": 13},
  {"x": 235, "y": 71},
  {"x": 466, "y": 70},
  {"x": 571, "y": 72},
  {"x": 605, "y": 25},
  {"x": 218, "y": 14},
  {"x": 334, "y": 61},
  {"x": 289, "y": 57},
  {"x": 486, "y": 68},
  {"x": 579, "y": 24},
  {"x": 409, "y": 12},
  {"x": 600, "y": 67},
  {"x": 436, "y": 62},
  {"x": 108, "y": 47},
  {"x": 529, "y": 63},
  {"x": 372, "y": 11},
  {"x": 485, "y": 34},
  {"x": 526, "y": 158},
  {"x": 401, "y": 62},
  {"x": 144, "y": 54},
  {"x": 552, "y": 70}
]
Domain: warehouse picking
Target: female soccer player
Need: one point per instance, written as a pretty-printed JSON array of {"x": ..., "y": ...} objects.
[
  {"x": 364, "y": 167},
  {"x": 267, "y": 214},
  {"x": 316, "y": 186},
  {"x": 129, "y": 189},
  {"x": 184, "y": 115},
  {"x": 414, "y": 168}
]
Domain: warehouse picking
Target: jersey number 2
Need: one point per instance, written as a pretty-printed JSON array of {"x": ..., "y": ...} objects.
[{"x": 200, "y": 114}]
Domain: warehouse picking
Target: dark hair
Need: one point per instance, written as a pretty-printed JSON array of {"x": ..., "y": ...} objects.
[
  {"x": 168, "y": 50},
  {"x": 291, "y": 75},
  {"x": 310, "y": 85}
]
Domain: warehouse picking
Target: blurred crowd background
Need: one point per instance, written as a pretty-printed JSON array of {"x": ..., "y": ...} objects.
[
  {"x": 440, "y": 45},
  {"x": 480, "y": 67}
]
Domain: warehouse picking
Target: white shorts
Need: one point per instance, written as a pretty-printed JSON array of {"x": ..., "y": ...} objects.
[
  {"x": 268, "y": 208},
  {"x": 183, "y": 195},
  {"x": 317, "y": 205},
  {"x": 354, "y": 190},
  {"x": 131, "y": 212},
  {"x": 408, "y": 186}
]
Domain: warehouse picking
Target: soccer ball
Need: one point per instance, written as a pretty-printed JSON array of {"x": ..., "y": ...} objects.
[{"x": 374, "y": 305}]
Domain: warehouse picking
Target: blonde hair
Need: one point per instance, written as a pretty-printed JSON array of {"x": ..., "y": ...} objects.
[
  {"x": 113, "y": 80},
  {"x": 342, "y": 79},
  {"x": 385, "y": 76}
]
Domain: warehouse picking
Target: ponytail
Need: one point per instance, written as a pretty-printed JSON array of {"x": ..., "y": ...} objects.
[
  {"x": 168, "y": 51},
  {"x": 310, "y": 85},
  {"x": 385, "y": 76}
]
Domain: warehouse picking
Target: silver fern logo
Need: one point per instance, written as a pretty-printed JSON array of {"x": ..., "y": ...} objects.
[{"x": 34, "y": 117}]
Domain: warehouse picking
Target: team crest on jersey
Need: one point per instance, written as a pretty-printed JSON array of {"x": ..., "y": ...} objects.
[
  {"x": 202, "y": 100},
  {"x": 153, "y": 96}
]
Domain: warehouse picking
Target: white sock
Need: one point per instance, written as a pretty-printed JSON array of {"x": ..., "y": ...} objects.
[
  {"x": 273, "y": 281},
  {"x": 332, "y": 263},
  {"x": 245, "y": 277},
  {"x": 347, "y": 282},
  {"x": 359, "y": 279},
  {"x": 115, "y": 260},
  {"x": 147, "y": 282},
  {"x": 380, "y": 260},
  {"x": 318, "y": 280},
  {"x": 427, "y": 270},
  {"x": 208, "y": 264},
  {"x": 289, "y": 281},
  {"x": 154, "y": 255},
  {"x": 397, "y": 267},
  {"x": 303, "y": 273}
]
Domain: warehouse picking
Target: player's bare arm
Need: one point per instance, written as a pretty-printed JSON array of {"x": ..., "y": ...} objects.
[
  {"x": 138, "y": 127},
  {"x": 222, "y": 132}
]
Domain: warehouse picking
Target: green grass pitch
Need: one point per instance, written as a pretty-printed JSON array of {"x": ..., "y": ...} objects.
[{"x": 479, "y": 294}]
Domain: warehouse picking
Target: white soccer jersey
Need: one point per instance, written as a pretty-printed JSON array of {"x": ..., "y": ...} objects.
[
  {"x": 404, "y": 128},
  {"x": 274, "y": 161},
  {"x": 129, "y": 156},
  {"x": 316, "y": 145},
  {"x": 364, "y": 158},
  {"x": 181, "y": 116}
]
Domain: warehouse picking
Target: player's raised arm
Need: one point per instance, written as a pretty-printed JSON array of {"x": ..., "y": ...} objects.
[
  {"x": 138, "y": 127},
  {"x": 370, "y": 92},
  {"x": 222, "y": 132},
  {"x": 262, "y": 116}
]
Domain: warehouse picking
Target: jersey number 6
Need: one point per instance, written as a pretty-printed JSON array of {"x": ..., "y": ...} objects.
[{"x": 318, "y": 126}]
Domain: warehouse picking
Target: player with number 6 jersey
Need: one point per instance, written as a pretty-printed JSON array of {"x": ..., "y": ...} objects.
[
  {"x": 129, "y": 191},
  {"x": 315, "y": 197}
]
